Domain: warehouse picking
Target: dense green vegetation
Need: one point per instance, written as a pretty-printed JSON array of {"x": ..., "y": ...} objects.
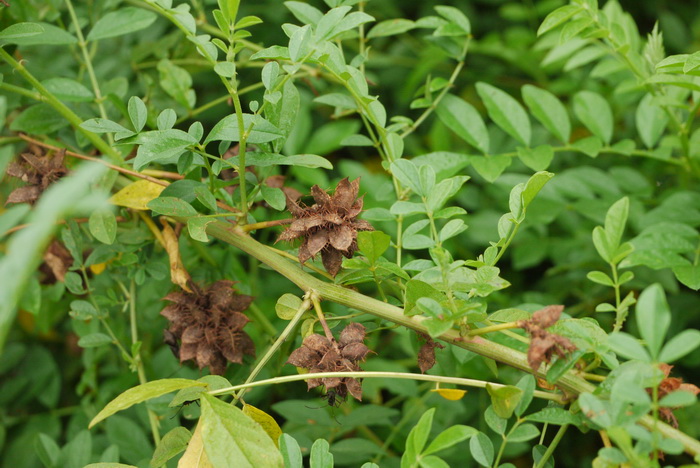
[{"x": 349, "y": 233}]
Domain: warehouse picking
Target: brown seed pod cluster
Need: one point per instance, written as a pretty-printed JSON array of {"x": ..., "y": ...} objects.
[
  {"x": 321, "y": 354},
  {"x": 544, "y": 345},
  {"x": 38, "y": 170},
  {"x": 329, "y": 226},
  {"x": 207, "y": 326},
  {"x": 669, "y": 385}
]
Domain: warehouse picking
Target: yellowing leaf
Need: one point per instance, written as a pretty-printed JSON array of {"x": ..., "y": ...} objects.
[
  {"x": 137, "y": 195},
  {"x": 178, "y": 274},
  {"x": 452, "y": 394},
  {"x": 98, "y": 268},
  {"x": 266, "y": 421},
  {"x": 195, "y": 456}
]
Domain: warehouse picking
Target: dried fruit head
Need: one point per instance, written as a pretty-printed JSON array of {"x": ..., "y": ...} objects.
[
  {"x": 329, "y": 226},
  {"x": 209, "y": 326}
]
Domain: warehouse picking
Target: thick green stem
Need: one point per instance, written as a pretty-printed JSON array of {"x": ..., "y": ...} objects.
[{"x": 569, "y": 382}]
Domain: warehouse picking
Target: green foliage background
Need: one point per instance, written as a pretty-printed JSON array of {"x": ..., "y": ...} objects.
[{"x": 52, "y": 386}]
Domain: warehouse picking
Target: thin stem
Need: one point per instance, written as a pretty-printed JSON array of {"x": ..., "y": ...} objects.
[
  {"x": 140, "y": 370},
  {"x": 21, "y": 91},
  {"x": 61, "y": 108},
  {"x": 556, "y": 397},
  {"x": 88, "y": 65},
  {"x": 266, "y": 224},
  {"x": 443, "y": 92},
  {"x": 502, "y": 448},
  {"x": 321, "y": 318},
  {"x": 273, "y": 348},
  {"x": 552, "y": 446}
]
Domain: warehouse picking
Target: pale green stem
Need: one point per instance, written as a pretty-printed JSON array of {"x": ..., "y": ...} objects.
[
  {"x": 140, "y": 370},
  {"x": 275, "y": 346},
  {"x": 88, "y": 65},
  {"x": 493, "y": 328},
  {"x": 556, "y": 397},
  {"x": 552, "y": 445}
]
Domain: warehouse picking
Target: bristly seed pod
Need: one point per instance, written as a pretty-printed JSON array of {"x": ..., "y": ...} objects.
[{"x": 329, "y": 226}]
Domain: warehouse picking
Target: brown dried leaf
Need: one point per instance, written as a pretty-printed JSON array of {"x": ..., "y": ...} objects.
[
  {"x": 178, "y": 273},
  {"x": 317, "y": 241},
  {"x": 547, "y": 316},
  {"x": 354, "y": 387},
  {"x": 355, "y": 351}
]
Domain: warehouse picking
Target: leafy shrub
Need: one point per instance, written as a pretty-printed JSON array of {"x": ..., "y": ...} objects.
[{"x": 389, "y": 202}]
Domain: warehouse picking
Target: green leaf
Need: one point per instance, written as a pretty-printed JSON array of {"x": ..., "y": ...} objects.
[
  {"x": 455, "y": 16},
  {"x": 247, "y": 21},
  {"x": 274, "y": 197},
  {"x": 39, "y": 119},
  {"x": 688, "y": 275},
  {"x": 273, "y": 159},
  {"x": 651, "y": 120},
  {"x": 300, "y": 44},
  {"x": 600, "y": 241},
  {"x": 291, "y": 452},
  {"x": 678, "y": 399},
  {"x": 391, "y": 27},
  {"x": 287, "y": 306},
  {"x": 103, "y": 226},
  {"x": 533, "y": 186},
  {"x": 683, "y": 343},
  {"x": 373, "y": 244},
  {"x": 557, "y": 17},
  {"x": 590, "y": 146},
  {"x": 225, "y": 69},
  {"x": 142, "y": 393},
  {"x": 137, "y": 113},
  {"x": 452, "y": 228},
  {"x": 177, "y": 82},
  {"x": 523, "y": 433},
  {"x": 171, "y": 206},
  {"x": 197, "y": 227},
  {"x": 51, "y": 35},
  {"x": 68, "y": 90},
  {"x": 103, "y": 126},
  {"x": 594, "y": 112},
  {"x": 304, "y": 12},
  {"x": 461, "y": 117},
  {"x": 504, "y": 399},
  {"x": 506, "y": 112},
  {"x": 122, "y": 21},
  {"x": 20, "y": 30},
  {"x": 321, "y": 457},
  {"x": 167, "y": 118},
  {"x": 615, "y": 221},
  {"x": 628, "y": 347},
  {"x": 653, "y": 317},
  {"x": 490, "y": 167},
  {"x": 558, "y": 416},
  {"x": 47, "y": 450},
  {"x": 227, "y": 130},
  {"x": 407, "y": 173},
  {"x": 527, "y": 385},
  {"x": 496, "y": 423},
  {"x": 481, "y": 449},
  {"x": 172, "y": 443},
  {"x": 600, "y": 278},
  {"x": 549, "y": 110},
  {"x": 232, "y": 439},
  {"x": 420, "y": 432},
  {"x": 537, "y": 159},
  {"x": 203, "y": 194},
  {"x": 449, "y": 437}
]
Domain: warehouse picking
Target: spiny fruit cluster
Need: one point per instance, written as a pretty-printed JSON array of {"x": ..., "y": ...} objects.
[
  {"x": 207, "y": 326},
  {"x": 322, "y": 354},
  {"x": 329, "y": 226}
]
